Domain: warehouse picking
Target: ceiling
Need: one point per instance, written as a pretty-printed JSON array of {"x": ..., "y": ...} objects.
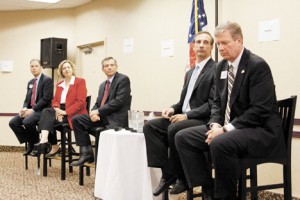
[{"x": 13, "y": 5}]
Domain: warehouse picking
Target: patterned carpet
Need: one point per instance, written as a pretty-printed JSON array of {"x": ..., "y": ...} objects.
[{"x": 20, "y": 184}]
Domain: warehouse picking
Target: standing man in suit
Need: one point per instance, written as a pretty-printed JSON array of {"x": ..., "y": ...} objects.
[
  {"x": 39, "y": 96},
  {"x": 193, "y": 109},
  {"x": 110, "y": 109},
  {"x": 244, "y": 119}
]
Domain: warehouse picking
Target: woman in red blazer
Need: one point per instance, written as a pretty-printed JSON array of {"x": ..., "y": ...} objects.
[{"x": 69, "y": 100}]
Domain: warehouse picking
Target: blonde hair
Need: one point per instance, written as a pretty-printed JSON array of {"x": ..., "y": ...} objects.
[
  {"x": 233, "y": 28},
  {"x": 60, "y": 67}
]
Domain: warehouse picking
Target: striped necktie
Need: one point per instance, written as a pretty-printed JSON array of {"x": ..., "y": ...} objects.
[{"x": 230, "y": 84}]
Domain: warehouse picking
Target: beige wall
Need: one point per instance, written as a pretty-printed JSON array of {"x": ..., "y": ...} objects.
[
  {"x": 281, "y": 55},
  {"x": 20, "y": 34},
  {"x": 156, "y": 81}
]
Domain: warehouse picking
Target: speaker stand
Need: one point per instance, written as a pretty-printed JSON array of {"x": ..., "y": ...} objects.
[{"x": 52, "y": 69}]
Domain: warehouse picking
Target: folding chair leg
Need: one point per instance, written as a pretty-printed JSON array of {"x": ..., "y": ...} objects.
[
  {"x": 63, "y": 155},
  {"x": 242, "y": 185},
  {"x": 81, "y": 174},
  {"x": 70, "y": 150},
  {"x": 26, "y": 162},
  {"x": 26, "y": 157},
  {"x": 165, "y": 195},
  {"x": 38, "y": 165},
  {"x": 189, "y": 194},
  {"x": 288, "y": 183},
  {"x": 253, "y": 182},
  {"x": 44, "y": 164},
  {"x": 88, "y": 171}
]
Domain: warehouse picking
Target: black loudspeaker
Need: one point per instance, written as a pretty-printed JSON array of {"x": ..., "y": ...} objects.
[{"x": 53, "y": 51}]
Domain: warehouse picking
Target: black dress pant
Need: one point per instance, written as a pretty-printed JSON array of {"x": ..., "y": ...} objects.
[
  {"x": 192, "y": 150},
  {"x": 48, "y": 122},
  {"x": 81, "y": 126},
  {"x": 25, "y": 128},
  {"x": 160, "y": 144},
  {"x": 226, "y": 151}
]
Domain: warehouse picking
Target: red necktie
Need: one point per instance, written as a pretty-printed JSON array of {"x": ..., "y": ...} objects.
[
  {"x": 33, "y": 95},
  {"x": 105, "y": 94}
]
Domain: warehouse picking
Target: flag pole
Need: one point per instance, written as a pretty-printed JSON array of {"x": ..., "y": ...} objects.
[
  {"x": 196, "y": 15},
  {"x": 216, "y": 24}
]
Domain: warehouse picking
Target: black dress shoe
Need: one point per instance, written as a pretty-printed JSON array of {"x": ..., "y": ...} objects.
[
  {"x": 41, "y": 148},
  {"x": 179, "y": 187},
  {"x": 163, "y": 185},
  {"x": 28, "y": 150},
  {"x": 86, "y": 155},
  {"x": 49, "y": 155}
]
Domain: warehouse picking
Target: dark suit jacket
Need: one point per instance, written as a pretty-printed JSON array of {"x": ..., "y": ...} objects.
[
  {"x": 114, "y": 111},
  {"x": 253, "y": 104},
  {"x": 75, "y": 100},
  {"x": 44, "y": 94},
  {"x": 202, "y": 95}
]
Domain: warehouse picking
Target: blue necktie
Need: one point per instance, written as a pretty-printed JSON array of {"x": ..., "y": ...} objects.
[{"x": 186, "y": 107}]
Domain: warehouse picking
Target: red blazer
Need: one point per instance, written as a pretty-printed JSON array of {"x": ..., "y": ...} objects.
[{"x": 75, "y": 100}]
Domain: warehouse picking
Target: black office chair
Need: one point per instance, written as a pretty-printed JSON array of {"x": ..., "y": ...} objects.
[
  {"x": 66, "y": 140},
  {"x": 287, "y": 111}
]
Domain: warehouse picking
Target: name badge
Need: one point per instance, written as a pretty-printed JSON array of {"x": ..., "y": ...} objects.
[
  {"x": 30, "y": 86},
  {"x": 223, "y": 75}
]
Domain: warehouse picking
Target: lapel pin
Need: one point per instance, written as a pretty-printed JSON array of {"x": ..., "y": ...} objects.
[{"x": 243, "y": 71}]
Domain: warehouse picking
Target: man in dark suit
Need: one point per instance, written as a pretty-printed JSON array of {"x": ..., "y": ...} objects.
[
  {"x": 110, "y": 109},
  {"x": 24, "y": 124},
  {"x": 244, "y": 119},
  {"x": 193, "y": 109}
]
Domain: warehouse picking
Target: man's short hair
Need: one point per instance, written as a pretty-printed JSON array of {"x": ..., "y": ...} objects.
[
  {"x": 233, "y": 28},
  {"x": 109, "y": 58}
]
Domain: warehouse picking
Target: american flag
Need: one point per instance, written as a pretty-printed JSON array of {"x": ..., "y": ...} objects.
[{"x": 197, "y": 23}]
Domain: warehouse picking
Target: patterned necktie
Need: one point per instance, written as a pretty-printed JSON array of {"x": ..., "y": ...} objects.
[
  {"x": 105, "y": 95},
  {"x": 33, "y": 94},
  {"x": 230, "y": 84}
]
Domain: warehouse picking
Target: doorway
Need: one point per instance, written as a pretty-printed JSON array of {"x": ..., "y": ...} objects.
[{"x": 89, "y": 67}]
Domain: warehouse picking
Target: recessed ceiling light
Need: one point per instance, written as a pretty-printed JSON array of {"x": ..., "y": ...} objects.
[{"x": 46, "y": 1}]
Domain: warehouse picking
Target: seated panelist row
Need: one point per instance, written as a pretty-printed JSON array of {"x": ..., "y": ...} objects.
[
  {"x": 69, "y": 101},
  {"x": 243, "y": 121}
]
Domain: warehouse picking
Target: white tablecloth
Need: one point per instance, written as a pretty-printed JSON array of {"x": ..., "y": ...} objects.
[{"x": 122, "y": 172}]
